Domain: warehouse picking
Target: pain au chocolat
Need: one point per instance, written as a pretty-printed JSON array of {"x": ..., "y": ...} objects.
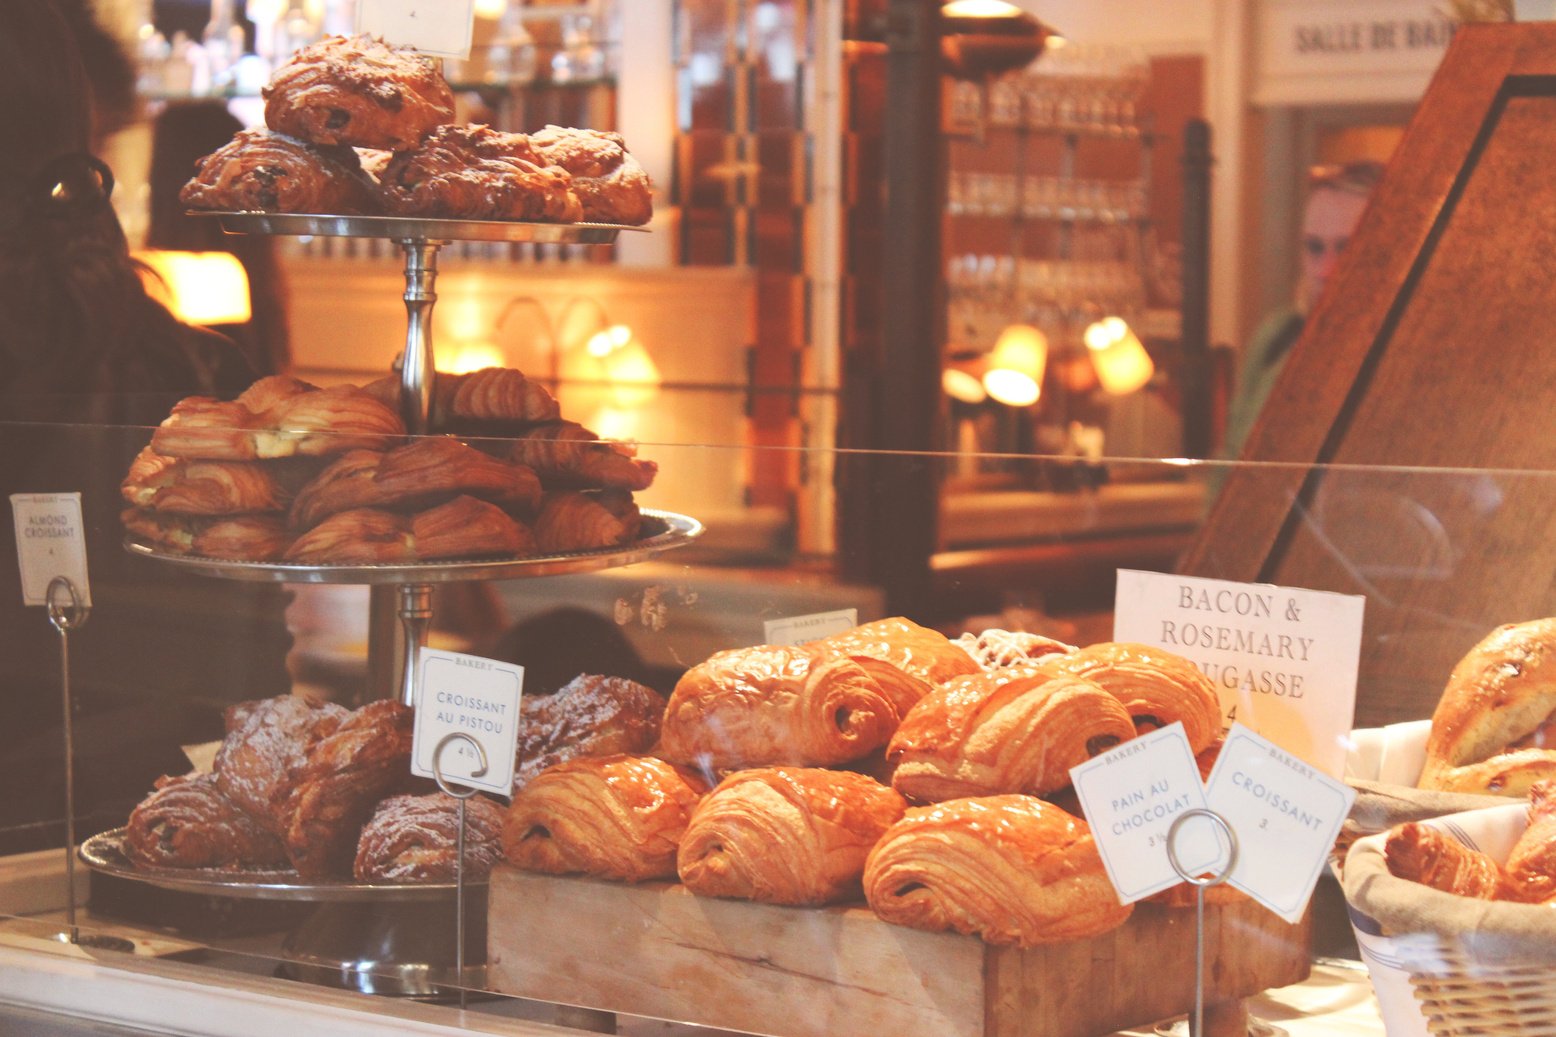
[
  {"x": 1008, "y": 869},
  {"x": 905, "y": 658},
  {"x": 1155, "y": 686},
  {"x": 1014, "y": 730},
  {"x": 616, "y": 817},
  {"x": 786, "y": 835}
]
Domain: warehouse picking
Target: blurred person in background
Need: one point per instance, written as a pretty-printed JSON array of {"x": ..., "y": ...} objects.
[
  {"x": 1337, "y": 195},
  {"x": 84, "y": 352}
]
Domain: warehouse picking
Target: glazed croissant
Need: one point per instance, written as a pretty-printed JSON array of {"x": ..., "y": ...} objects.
[
  {"x": 1531, "y": 866},
  {"x": 1427, "y": 855},
  {"x": 786, "y": 835},
  {"x": 413, "y": 477},
  {"x": 1492, "y": 730},
  {"x": 1156, "y": 687},
  {"x": 1015, "y": 730},
  {"x": 907, "y": 660},
  {"x": 749, "y": 707},
  {"x": 615, "y": 817},
  {"x": 1009, "y": 869}
]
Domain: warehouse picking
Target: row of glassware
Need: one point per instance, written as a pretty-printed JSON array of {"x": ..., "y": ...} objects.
[{"x": 1006, "y": 195}]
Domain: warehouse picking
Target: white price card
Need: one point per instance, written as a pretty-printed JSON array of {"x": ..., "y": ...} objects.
[
  {"x": 794, "y": 630},
  {"x": 473, "y": 697},
  {"x": 50, "y": 542},
  {"x": 1131, "y": 795},
  {"x": 441, "y": 27},
  {"x": 1286, "y": 815},
  {"x": 1283, "y": 659}
]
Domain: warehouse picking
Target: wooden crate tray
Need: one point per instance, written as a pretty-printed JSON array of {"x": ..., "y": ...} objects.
[{"x": 657, "y": 950}]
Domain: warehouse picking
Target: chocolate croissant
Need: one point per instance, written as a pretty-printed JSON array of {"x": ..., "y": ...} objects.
[
  {"x": 477, "y": 173},
  {"x": 1427, "y": 855},
  {"x": 344, "y": 777},
  {"x": 568, "y": 456},
  {"x": 905, "y": 658},
  {"x": 750, "y": 707},
  {"x": 265, "y": 171},
  {"x": 358, "y": 91},
  {"x": 786, "y": 835},
  {"x": 614, "y": 817},
  {"x": 1492, "y": 730},
  {"x": 1156, "y": 687},
  {"x": 610, "y": 184},
  {"x": 413, "y": 477},
  {"x": 188, "y": 823},
  {"x": 416, "y": 839},
  {"x": 1009, "y": 869},
  {"x": 1015, "y": 730}
]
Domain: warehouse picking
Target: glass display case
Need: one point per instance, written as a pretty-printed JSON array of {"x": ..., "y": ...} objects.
[{"x": 173, "y": 645}]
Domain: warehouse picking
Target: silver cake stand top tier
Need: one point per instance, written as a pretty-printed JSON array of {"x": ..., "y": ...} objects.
[{"x": 414, "y": 228}]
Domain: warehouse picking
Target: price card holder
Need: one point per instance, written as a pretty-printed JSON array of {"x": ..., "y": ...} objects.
[
  {"x": 1286, "y": 814},
  {"x": 441, "y": 27},
  {"x": 794, "y": 630},
  {"x": 1132, "y": 795}
]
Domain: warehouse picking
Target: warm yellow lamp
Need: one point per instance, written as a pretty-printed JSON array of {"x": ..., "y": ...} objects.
[
  {"x": 1015, "y": 374},
  {"x": 962, "y": 385},
  {"x": 199, "y": 287},
  {"x": 1122, "y": 364}
]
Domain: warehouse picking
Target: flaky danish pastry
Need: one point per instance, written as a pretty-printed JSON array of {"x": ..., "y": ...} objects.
[
  {"x": 413, "y": 477},
  {"x": 905, "y": 658},
  {"x": 265, "y": 749},
  {"x": 264, "y": 171},
  {"x": 773, "y": 704},
  {"x": 345, "y": 775},
  {"x": 610, "y": 184},
  {"x": 579, "y": 520},
  {"x": 1014, "y": 730},
  {"x": 1424, "y": 854},
  {"x": 568, "y": 456},
  {"x": 416, "y": 839},
  {"x": 1009, "y": 869},
  {"x": 462, "y": 528},
  {"x": 358, "y": 91},
  {"x": 1494, "y": 729},
  {"x": 477, "y": 173},
  {"x": 1156, "y": 687},
  {"x": 276, "y": 417},
  {"x": 188, "y": 823},
  {"x": 786, "y": 835},
  {"x": 590, "y": 715},
  {"x": 234, "y": 538},
  {"x": 996, "y": 649},
  {"x": 189, "y": 487},
  {"x": 613, "y": 817}
]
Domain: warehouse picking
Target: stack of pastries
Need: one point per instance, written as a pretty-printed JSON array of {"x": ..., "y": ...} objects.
[
  {"x": 289, "y": 472},
  {"x": 887, "y": 763},
  {"x": 354, "y": 126}
]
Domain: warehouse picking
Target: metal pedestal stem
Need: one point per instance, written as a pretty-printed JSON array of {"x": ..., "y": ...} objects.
[{"x": 416, "y": 365}]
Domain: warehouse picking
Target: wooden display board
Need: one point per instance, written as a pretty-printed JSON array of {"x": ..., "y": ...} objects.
[
  {"x": 1434, "y": 346},
  {"x": 660, "y": 951}
]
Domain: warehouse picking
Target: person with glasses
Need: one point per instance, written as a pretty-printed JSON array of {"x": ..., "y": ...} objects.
[
  {"x": 1337, "y": 194},
  {"x": 88, "y": 360}
]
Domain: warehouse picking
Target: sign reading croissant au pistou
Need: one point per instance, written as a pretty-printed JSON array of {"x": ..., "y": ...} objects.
[
  {"x": 1283, "y": 660},
  {"x": 476, "y": 701}
]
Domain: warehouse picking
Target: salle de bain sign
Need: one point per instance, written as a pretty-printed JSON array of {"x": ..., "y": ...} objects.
[{"x": 1326, "y": 51}]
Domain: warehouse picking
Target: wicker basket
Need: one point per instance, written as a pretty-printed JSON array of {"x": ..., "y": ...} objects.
[{"x": 1476, "y": 968}]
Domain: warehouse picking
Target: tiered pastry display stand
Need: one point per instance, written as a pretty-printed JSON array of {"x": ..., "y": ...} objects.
[{"x": 381, "y": 937}]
